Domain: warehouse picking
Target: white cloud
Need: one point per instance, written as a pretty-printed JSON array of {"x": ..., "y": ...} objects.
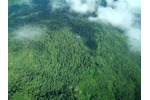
[
  {"x": 56, "y": 4},
  {"x": 114, "y": 17},
  {"x": 79, "y": 6},
  {"x": 122, "y": 14},
  {"x": 29, "y": 32},
  {"x": 82, "y": 6},
  {"x": 134, "y": 38},
  {"x": 119, "y": 13}
]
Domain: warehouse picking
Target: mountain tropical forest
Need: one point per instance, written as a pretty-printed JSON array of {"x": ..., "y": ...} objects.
[{"x": 61, "y": 55}]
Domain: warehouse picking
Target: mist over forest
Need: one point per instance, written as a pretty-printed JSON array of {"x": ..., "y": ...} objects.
[{"x": 74, "y": 50}]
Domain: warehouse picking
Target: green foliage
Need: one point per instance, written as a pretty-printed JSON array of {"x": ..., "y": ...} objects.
[
  {"x": 21, "y": 96},
  {"x": 73, "y": 59}
]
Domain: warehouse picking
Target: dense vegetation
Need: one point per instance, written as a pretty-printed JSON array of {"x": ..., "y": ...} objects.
[{"x": 72, "y": 59}]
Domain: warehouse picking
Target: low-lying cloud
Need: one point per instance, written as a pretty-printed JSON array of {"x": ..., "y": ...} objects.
[
  {"x": 82, "y": 6},
  {"x": 122, "y": 14},
  {"x": 29, "y": 32}
]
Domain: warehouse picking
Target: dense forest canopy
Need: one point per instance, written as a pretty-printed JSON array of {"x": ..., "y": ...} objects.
[{"x": 58, "y": 54}]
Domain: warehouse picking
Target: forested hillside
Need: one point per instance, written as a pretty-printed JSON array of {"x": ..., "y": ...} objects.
[{"x": 59, "y": 55}]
